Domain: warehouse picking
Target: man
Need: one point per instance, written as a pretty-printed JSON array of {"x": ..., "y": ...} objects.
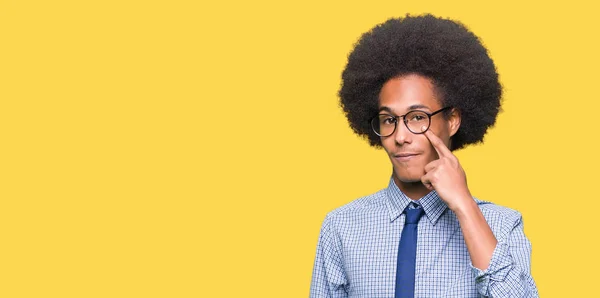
[{"x": 422, "y": 87}]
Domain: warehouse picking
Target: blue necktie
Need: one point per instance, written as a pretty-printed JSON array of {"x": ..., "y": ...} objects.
[{"x": 407, "y": 255}]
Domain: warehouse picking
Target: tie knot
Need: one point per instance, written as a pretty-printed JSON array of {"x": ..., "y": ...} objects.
[{"x": 413, "y": 215}]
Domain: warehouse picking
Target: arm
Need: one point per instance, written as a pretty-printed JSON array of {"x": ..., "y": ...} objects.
[
  {"x": 329, "y": 278},
  {"x": 509, "y": 270},
  {"x": 477, "y": 233},
  {"x": 506, "y": 254},
  {"x": 448, "y": 178}
]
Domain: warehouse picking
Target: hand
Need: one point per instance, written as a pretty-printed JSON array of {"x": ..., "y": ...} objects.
[{"x": 446, "y": 176}]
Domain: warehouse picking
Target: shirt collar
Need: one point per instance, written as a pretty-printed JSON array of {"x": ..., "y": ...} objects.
[{"x": 397, "y": 201}]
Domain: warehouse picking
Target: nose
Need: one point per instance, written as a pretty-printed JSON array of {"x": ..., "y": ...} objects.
[{"x": 402, "y": 134}]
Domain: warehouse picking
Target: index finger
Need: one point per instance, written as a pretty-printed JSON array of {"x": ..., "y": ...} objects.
[{"x": 438, "y": 144}]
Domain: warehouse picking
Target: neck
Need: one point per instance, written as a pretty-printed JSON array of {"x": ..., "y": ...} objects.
[{"x": 413, "y": 190}]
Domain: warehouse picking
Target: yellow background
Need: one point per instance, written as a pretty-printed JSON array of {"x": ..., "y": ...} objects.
[{"x": 190, "y": 149}]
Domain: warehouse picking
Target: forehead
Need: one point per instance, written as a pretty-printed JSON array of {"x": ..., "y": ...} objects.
[{"x": 408, "y": 92}]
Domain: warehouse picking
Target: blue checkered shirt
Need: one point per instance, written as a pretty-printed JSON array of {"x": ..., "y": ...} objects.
[{"x": 358, "y": 249}]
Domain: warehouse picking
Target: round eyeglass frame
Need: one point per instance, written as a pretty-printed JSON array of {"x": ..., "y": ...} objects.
[{"x": 429, "y": 115}]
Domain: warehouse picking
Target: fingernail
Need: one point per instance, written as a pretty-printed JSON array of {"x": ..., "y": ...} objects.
[{"x": 423, "y": 128}]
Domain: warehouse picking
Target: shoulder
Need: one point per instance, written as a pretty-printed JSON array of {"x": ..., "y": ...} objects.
[
  {"x": 494, "y": 211},
  {"x": 362, "y": 207},
  {"x": 502, "y": 220}
]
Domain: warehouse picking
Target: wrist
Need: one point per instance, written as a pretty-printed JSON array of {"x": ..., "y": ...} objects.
[{"x": 465, "y": 206}]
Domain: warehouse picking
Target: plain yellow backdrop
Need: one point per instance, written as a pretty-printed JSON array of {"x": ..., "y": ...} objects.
[{"x": 192, "y": 149}]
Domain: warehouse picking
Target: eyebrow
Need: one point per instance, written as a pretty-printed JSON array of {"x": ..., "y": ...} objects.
[{"x": 413, "y": 107}]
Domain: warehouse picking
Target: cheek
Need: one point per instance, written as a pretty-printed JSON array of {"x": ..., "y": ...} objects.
[
  {"x": 388, "y": 144},
  {"x": 442, "y": 131},
  {"x": 429, "y": 153},
  {"x": 430, "y": 156}
]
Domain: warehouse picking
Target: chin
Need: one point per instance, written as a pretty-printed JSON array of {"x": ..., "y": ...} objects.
[
  {"x": 410, "y": 177},
  {"x": 410, "y": 180}
]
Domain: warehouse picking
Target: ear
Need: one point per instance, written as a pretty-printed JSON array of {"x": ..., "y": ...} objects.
[{"x": 453, "y": 121}]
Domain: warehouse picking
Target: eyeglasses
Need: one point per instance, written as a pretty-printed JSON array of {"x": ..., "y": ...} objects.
[{"x": 384, "y": 125}]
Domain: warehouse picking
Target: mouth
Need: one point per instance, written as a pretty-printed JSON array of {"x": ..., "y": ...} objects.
[{"x": 403, "y": 157}]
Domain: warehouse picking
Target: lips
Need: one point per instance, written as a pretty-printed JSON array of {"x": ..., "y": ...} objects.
[{"x": 405, "y": 156}]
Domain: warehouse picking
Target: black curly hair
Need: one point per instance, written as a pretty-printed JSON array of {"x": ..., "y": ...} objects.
[{"x": 443, "y": 50}]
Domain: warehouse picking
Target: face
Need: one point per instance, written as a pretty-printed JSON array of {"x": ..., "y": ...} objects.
[{"x": 410, "y": 152}]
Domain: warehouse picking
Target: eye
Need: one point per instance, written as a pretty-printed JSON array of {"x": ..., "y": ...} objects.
[
  {"x": 387, "y": 120},
  {"x": 417, "y": 117}
]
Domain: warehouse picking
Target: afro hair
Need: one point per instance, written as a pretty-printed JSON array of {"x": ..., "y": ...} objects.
[{"x": 444, "y": 51}]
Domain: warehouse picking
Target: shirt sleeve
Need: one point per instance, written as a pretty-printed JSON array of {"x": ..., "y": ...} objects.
[
  {"x": 329, "y": 278},
  {"x": 509, "y": 272}
]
